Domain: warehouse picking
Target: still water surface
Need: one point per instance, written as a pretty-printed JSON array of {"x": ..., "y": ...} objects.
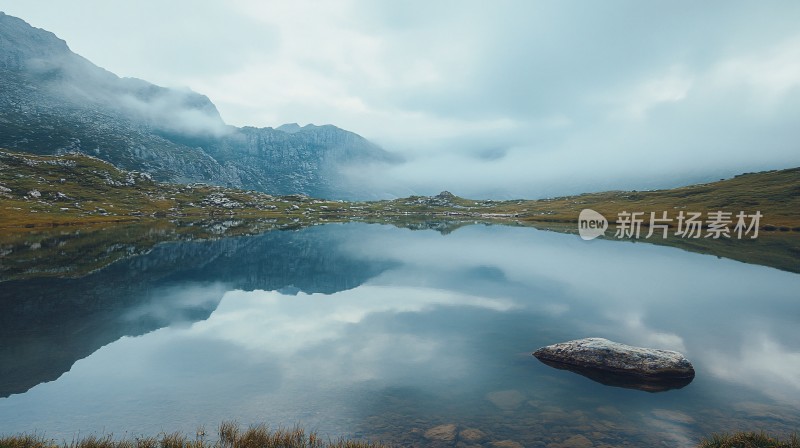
[{"x": 383, "y": 333}]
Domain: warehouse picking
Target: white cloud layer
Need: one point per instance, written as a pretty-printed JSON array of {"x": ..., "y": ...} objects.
[{"x": 512, "y": 98}]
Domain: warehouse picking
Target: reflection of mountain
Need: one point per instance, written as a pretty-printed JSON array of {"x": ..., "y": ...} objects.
[{"x": 47, "y": 324}]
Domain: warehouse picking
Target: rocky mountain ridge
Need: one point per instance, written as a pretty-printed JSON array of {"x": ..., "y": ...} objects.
[{"x": 53, "y": 101}]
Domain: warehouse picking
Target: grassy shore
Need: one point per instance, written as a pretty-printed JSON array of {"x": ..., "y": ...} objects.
[
  {"x": 229, "y": 435},
  {"x": 749, "y": 440}
]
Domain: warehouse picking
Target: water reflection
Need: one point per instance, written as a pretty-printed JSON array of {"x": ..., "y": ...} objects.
[
  {"x": 47, "y": 324},
  {"x": 627, "y": 381},
  {"x": 708, "y": 308},
  {"x": 387, "y": 333}
]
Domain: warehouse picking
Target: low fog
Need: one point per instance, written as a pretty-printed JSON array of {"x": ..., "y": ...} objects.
[
  {"x": 508, "y": 99},
  {"x": 176, "y": 110}
]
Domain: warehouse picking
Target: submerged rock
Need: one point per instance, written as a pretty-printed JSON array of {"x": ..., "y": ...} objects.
[
  {"x": 620, "y": 365},
  {"x": 442, "y": 433},
  {"x": 507, "y": 444},
  {"x": 578, "y": 441},
  {"x": 471, "y": 435}
]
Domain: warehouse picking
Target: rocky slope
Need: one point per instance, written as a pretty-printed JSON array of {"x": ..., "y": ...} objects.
[{"x": 53, "y": 100}]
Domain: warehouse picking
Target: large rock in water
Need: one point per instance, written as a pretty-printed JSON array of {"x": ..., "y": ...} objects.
[{"x": 620, "y": 365}]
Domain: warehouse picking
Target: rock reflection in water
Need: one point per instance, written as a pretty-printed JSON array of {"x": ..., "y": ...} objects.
[{"x": 647, "y": 384}]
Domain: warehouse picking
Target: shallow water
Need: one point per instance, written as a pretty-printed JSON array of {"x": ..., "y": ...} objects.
[{"x": 384, "y": 333}]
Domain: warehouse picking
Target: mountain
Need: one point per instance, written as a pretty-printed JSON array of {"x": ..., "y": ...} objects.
[{"x": 54, "y": 101}]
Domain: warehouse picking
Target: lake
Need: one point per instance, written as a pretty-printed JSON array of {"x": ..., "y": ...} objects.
[{"x": 378, "y": 332}]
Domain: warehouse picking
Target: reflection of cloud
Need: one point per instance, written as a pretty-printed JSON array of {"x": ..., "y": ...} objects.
[
  {"x": 270, "y": 321},
  {"x": 638, "y": 294},
  {"x": 367, "y": 358},
  {"x": 671, "y": 430},
  {"x": 316, "y": 335},
  {"x": 760, "y": 361},
  {"x": 636, "y": 330},
  {"x": 450, "y": 316},
  {"x": 172, "y": 304}
]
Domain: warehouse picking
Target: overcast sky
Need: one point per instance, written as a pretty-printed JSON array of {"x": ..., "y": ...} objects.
[{"x": 515, "y": 98}]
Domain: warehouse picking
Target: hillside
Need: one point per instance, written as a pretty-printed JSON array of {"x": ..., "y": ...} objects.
[
  {"x": 122, "y": 208},
  {"x": 776, "y": 194},
  {"x": 75, "y": 188},
  {"x": 53, "y": 101}
]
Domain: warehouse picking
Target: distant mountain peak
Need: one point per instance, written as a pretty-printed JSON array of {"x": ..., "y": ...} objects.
[
  {"x": 22, "y": 45},
  {"x": 290, "y": 128}
]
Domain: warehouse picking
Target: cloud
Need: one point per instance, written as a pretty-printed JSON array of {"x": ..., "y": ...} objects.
[
  {"x": 174, "y": 110},
  {"x": 510, "y": 99},
  {"x": 651, "y": 93},
  {"x": 769, "y": 76}
]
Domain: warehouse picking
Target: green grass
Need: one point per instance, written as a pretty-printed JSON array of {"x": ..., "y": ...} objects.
[
  {"x": 229, "y": 435},
  {"x": 749, "y": 440}
]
